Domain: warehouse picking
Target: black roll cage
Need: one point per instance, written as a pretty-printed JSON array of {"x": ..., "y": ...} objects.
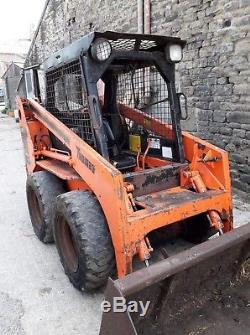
[{"x": 93, "y": 70}]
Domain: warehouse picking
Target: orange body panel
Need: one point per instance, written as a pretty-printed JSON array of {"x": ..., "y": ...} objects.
[{"x": 128, "y": 228}]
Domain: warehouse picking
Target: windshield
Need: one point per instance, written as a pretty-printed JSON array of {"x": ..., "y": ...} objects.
[{"x": 140, "y": 86}]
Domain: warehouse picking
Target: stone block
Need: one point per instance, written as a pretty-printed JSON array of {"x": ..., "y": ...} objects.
[
  {"x": 231, "y": 5},
  {"x": 219, "y": 116},
  {"x": 243, "y": 88},
  {"x": 239, "y": 133},
  {"x": 204, "y": 115},
  {"x": 239, "y": 117},
  {"x": 240, "y": 185},
  {"x": 240, "y": 159},
  {"x": 242, "y": 21},
  {"x": 242, "y": 46},
  {"x": 245, "y": 178}
]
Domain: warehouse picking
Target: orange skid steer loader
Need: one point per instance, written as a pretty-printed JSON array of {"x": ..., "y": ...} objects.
[{"x": 122, "y": 190}]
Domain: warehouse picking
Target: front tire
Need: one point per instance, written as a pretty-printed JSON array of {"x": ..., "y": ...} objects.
[{"x": 83, "y": 240}]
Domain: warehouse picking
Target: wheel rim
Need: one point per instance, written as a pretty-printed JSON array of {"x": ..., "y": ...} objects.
[
  {"x": 67, "y": 244},
  {"x": 35, "y": 211}
]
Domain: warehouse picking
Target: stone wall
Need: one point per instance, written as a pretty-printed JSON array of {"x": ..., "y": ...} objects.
[
  {"x": 215, "y": 72},
  {"x": 66, "y": 20}
]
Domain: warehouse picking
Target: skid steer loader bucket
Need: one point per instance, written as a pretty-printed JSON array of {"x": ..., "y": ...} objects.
[{"x": 176, "y": 285}]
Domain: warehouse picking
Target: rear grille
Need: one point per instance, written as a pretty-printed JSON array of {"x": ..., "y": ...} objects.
[{"x": 130, "y": 44}]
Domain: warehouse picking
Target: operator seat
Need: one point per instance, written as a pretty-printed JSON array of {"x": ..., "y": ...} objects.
[
  {"x": 121, "y": 160},
  {"x": 114, "y": 125}
]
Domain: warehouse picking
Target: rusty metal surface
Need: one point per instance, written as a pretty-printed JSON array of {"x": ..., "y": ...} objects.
[
  {"x": 154, "y": 180},
  {"x": 181, "y": 296},
  {"x": 141, "y": 279},
  {"x": 116, "y": 323},
  {"x": 167, "y": 199},
  {"x": 178, "y": 285},
  {"x": 60, "y": 169}
]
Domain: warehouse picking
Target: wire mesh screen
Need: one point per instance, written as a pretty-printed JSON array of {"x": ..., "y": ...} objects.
[
  {"x": 67, "y": 101},
  {"x": 146, "y": 90},
  {"x": 130, "y": 44}
]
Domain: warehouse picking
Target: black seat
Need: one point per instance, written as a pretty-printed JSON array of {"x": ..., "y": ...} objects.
[
  {"x": 121, "y": 160},
  {"x": 115, "y": 127},
  {"x": 124, "y": 161}
]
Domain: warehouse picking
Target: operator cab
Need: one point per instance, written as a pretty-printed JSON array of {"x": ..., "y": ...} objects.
[
  {"x": 117, "y": 92},
  {"x": 138, "y": 86}
]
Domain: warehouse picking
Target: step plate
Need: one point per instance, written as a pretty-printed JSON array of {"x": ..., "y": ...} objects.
[
  {"x": 173, "y": 197},
  {"x": 60, "y": 169}
]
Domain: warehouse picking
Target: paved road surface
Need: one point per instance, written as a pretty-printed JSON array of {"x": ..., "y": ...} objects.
[{"x": 36, "y": 297}]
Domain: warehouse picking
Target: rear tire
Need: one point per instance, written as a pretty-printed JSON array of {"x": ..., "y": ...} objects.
[
  {"x": 42, "y": 188},
  {"x": 83, "y": 240}
]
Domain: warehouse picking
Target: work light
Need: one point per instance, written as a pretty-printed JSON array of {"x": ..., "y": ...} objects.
[
  {"x": 174, "y": 53},
  {"x": 101, "y": 49}
]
